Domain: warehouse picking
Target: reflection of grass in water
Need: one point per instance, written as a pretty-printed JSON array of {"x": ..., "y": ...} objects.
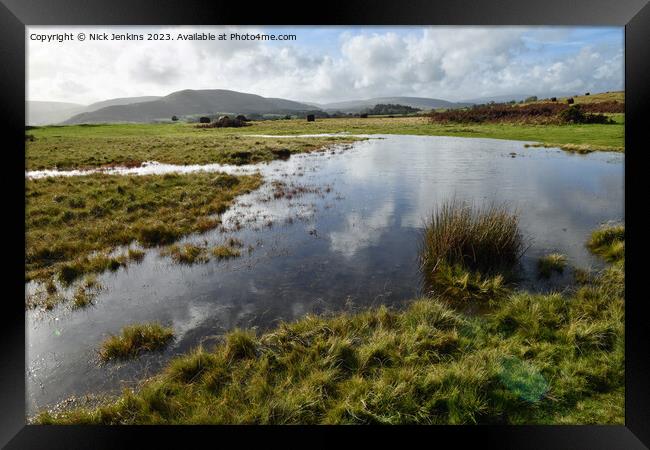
[
  {"x": 534, "y": 359},
  {"x": 554, "y": 262},
  {"x": 459, "y": 242}
]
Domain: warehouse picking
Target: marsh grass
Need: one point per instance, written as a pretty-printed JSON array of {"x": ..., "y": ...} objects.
[
  {"x": 135, "y": 339},
  {"x": 132, "y": 144},
  {"x": 193, "y": 253},
  {"x": 608, "y": 242},
  {"x": 187, "y": 253},
  {"x": 535, "y": 359},
  {"x": 554, "y": 262},
  {"x": 465, "y": 251},
  {"x": 112, "y": 211},
  {"x": 225, "y": 252}
]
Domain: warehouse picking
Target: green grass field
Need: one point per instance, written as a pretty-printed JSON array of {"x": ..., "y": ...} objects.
[
  {"x": 105, "y": 145},
  {"x": 83, "y": 146}
]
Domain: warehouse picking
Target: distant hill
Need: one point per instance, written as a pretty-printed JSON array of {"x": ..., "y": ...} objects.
[
  {"x": 119, "y": 101},
  {"x": 51, "y": 113},
  {"x": 44, "y": 113},
  {"x": 413, "y": 102},
  {"x": 190, "y": 102}
]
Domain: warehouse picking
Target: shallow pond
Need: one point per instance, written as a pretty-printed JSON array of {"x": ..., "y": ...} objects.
[{"x": 341, "y": 232}]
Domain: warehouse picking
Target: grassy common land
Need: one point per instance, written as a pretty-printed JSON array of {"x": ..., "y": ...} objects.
[
  {"x": 82, "y": 146},
  {"x": 532, "y": 359},
  {"x": 87, "y": 146},
  {"x": 608, "y": 137},
  {"x": 73, "y": 223}
]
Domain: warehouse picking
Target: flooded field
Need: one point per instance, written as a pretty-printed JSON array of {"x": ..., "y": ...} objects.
[{"x": 327, "y": 231}]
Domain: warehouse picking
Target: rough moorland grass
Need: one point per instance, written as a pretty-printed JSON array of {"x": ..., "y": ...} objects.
[
  {"x": 77, "y": 146},
  {"x": 67, "y": 147},
  {"x": 608, "y": 242},
  {"x": 225, "y": 252},
  {"x": 192, "y": 253},
  {"x": 589, "y": 136},
  {"x": 134, "y": 340},
  {"x": 186, "y": 253},
  {"x": 554, "y": 262},
  {"x": 73, "y": 223},
  {"x": 461, "y": 241},
  {"x": 536, "y": 359}
]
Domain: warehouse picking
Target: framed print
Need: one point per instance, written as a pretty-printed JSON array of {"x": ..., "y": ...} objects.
[{"x": 413, "y": 216}]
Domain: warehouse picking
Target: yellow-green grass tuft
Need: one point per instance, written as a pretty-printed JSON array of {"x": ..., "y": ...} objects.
[
  {"x": 135, "y": 339},
  {"x": 608, "y": 242}
]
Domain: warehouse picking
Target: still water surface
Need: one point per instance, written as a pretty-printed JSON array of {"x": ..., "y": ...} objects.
[{"x": 347, "y": 238}]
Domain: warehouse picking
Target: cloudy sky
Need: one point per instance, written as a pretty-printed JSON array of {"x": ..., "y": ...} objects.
[{"x": 327, "y": 64}]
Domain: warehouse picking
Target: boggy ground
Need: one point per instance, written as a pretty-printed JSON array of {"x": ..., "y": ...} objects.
[
  {"x": 73, "y": 223},
  {"x": 92, "y": 146},
  {"x": 89, "y": 146},
  {"x": 533, "y": 359}
]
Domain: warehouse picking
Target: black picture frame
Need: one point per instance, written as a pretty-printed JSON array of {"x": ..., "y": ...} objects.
[{"x": 634, "y": 15}]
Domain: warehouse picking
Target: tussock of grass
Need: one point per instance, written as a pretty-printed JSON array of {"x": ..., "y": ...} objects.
[
  {"x": 135, "y": 255},
  {"x": 192, "y": 253},
  {"x": 456, "y": 283},
  {"x": 554, "y": 262},
  {"x": 134, "y": 340},
  {"x": 225, "y": 252},
  {"x": 608, "y": 242},
  {"x": 535, "y": 359},
  {"x": 187, "y": 253},
  {"x": 459, "y": 242},
  {"x": 111, "y": 211}
]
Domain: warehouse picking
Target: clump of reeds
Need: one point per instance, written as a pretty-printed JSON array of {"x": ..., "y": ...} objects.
[
  {"x": 134, "y": 340},
  {"x": 461, "y": 241}
]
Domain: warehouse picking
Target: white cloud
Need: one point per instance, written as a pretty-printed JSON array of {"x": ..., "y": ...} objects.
[{"x": 441, "y": 62}]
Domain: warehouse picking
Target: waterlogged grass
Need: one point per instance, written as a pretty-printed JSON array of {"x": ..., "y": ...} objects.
[
  {"x": 465, "y": 250},
  {"x": 186, "y": 254},
  {"x": 73, "y": 224},
  {"x": 535, "y": 359},
  {"x": 192, "y": 254},
  {"x": 134, "y": 340},
  {"x": 79, "y": 146},
  {"x": 225, "y": 252},
  {"x": 554, "y": 262},
  {"x": 608, "y": 242}
]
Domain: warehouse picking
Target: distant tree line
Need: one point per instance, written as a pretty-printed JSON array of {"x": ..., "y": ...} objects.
[{"x": 390, "y": 108}]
